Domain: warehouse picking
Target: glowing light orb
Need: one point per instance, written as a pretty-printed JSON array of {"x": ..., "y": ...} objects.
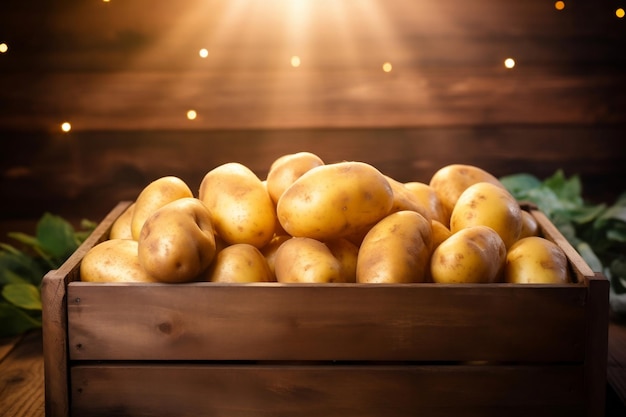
[
  {"x": 66, "y": 126},
  {"x": 509, "y": 63}
]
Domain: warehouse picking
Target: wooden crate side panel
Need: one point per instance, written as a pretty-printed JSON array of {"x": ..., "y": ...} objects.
[
  {"x": 596, "y": 355},
  {"x": 207, "y": 321},
  {"x": 299, "y": 391},
  {"x": 54, "y": 312}
]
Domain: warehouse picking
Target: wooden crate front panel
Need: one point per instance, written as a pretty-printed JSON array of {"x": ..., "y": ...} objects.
[
  {"x": 271, "y": 321},
  {"x": 340, "y": 390}
]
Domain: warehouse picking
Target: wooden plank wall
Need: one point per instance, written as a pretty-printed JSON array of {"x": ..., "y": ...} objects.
[{"x": 125, "y": 73}]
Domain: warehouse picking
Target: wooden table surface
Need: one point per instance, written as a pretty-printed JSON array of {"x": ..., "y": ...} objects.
[{"x": 22, "y": 374}]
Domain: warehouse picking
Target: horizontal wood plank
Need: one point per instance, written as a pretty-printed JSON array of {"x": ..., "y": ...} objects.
[
  {"x": 424, "y": 322},
  {"x": 127, "y": 65},
  {"x": 328, "y": 390},
  {"x": 85, "y": 174}
]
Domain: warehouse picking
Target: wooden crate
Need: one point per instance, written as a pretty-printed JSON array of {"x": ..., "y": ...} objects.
[{"x": 270, "y": 349}]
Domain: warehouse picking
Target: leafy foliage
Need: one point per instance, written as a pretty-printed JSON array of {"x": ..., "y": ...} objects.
[
  {"x": 596, "y": 231},
  {"x": 22, "y": 270}
]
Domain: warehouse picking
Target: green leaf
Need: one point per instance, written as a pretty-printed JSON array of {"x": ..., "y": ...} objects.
[
  {"x": 589, "y": 256},
  {"x": 14, "y": 321},
  {"x": 9, "y": 277},
  {"x": 569, "y": 190},
  {"x": 56, "y": 236},
  {"x": 519, "y": 184},
  {"x": 25, "y": 239},
  {"x": 25, "y": 296},
  {"x": 617, "y": 235},
  {"x": 615, "y": 212},
  {"x": 27, "y": 267}
]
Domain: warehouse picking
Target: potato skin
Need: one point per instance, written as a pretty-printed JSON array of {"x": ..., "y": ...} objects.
[
  {"x": 530, "y": 226},
  {"x": 347, "y": 254},
  {"x": 428, "y": 199},
  {"x": 450, "y": 181},
  {"x": 177, "y": 242},
  {"x": 335, "y": 200},
  {"x": 487, "y": 204},
  {"x": 269, "y": 250},
  {"x": 405, "y": 199},
  {"x": 440, "y": 233},
  {"x": 396, "y": 250},
  {"x": 113, "y": 260},
  {"x": 154, "y": 196},
  {"x": 536, "y": 260},
  {"x": 240, "y": 205},
  {"x": 306, "y": 260},
  {"x": 288, "y": 168},
  {"x": 120, "y": 229},
  {"x": 472, "y": 255},
  {"x": 239, "y": 263}
]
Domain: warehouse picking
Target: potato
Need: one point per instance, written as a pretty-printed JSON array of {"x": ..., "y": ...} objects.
[
  {"x": 269, "y": 250},
  {"x": 306, "y": 260},
  {"x": 440, "y": 233},
  {"x": 120, "y": 229},
  {"x": 473, "y": 255},
  {"x": 335, "y": 200},
  {"x": 239, "y": 263},
  {"x": 536, "y": 260},
  {"x": 396, "y": 250},
  {"x": 404, "y": 199},
  {"x": 347, "y": 254},
  {"x": 428, "y": 199},
  {"x": 451, "y": 180},
  {"x": 241, "y": 207},
  {"x": 530, "y": 226},
  {"x": 487, "y": 204},
  {"x": 288, "y": 168},
  {"x": 154, "y": 196},
  {"x": 177, "y": 242},
  {"x": 114, "y": 260}
]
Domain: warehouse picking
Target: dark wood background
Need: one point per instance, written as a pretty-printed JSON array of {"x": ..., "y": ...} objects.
[{"x": 124, "y": 73}]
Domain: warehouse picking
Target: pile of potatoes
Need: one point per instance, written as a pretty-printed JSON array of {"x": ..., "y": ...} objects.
[{"x": 314, "y": 222}]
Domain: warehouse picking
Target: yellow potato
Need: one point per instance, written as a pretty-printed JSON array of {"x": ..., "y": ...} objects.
[
  {"x": 306, "y": 260},
  {"x": 396, "y": 250},
  {"x": 404, "y": 199},
  {"x": 121, "y": 226},
  {"x": 177, "y": 242},
  {"x": 269, "y": 250},
  {"x": 288, "y": 168},
  {"x": 154, "y": 196},
  {"x": 335, "y": 200},
  {"x": 347, "y": 254},
  {"x": 472, "y": 255},
  {"x": 487, "y": 204},
  {"x": 530, "y": 226},
  {"x": 428, "y": 199},
  {"x": 239, "y": 263},
  {"x": 451, "y": 180},
  {"x": 440, "y": 233},
  {"x": 536, "y": 260},
  {"x": 114, "y": 260},
  {"x": 242, "y": 209}
]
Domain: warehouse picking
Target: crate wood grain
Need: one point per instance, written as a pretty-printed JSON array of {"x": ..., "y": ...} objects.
[
  {"x": 326, "y": 390},
  {"x": 260, "y": 349}
]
